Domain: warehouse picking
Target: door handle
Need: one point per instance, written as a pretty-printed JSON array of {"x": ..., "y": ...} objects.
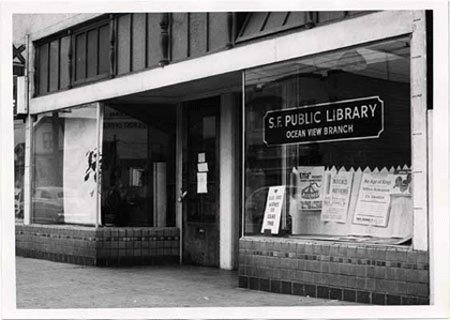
[{"x": 182, "y": 196}]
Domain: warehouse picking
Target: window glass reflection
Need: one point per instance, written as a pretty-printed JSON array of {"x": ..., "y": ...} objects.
[
  {"x": 380, "y": 70},
  {"x": 65, "y": 171}
]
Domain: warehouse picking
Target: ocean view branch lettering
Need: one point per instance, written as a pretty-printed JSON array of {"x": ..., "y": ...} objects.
[{"x": 343, "y": 120}]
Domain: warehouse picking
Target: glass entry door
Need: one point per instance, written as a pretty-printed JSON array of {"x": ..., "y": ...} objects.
[{"x": 200, "y": 181}]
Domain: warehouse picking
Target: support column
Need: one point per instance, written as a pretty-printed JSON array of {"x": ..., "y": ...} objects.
[
  {"x": 27, "y": 172},
  {"x": 179, "y": 177},
  {"x": 30, "y": 72},
  {"x": 228, "y": 181},
  {"x": 419, "y": 159}
]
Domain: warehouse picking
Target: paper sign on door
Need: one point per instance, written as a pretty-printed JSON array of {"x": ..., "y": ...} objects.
[{"x": 202, "y": 181}]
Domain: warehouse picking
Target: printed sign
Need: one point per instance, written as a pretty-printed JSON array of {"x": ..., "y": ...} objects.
[
  {"x": 337, "y": 196},
  {"x": 343, "y": 120},
  {"x": 372, "y": 207},
  {"x": 310, "y": 185},
  {"x": 202, "y": 182},
  {"x": 272, "y": 213}
]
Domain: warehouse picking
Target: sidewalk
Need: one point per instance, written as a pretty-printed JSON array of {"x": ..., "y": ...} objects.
[{"x": 46, "y": 284}]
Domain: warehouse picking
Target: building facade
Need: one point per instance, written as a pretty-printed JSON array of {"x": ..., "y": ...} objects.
[{"x": 292, "y": 146}]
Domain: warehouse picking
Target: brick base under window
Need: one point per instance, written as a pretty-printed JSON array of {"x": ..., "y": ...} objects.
[
  {"x": 383, "y": 275},
  {"x": 99, "y": 247}
]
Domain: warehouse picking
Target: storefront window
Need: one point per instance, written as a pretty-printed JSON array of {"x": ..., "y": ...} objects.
[
  {"x": 138, "y": 166},
  {"x": 19, "y": 167},
  {"x": 328, "y": 147},
  {"x": 64, "y": 162}
]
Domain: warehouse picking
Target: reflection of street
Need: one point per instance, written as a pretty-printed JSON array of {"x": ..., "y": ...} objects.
[{"x": 48, "y": 205}]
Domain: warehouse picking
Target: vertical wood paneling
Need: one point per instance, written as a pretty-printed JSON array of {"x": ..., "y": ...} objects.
[
  {"x": 103, "y": 50},
  {"x": 197, "y": 34},
  {"x": 135, "y": 41},
  {"x": 80, "y": 56},
  {"x": 217, "y": 30},
  {"x": 123, "y": 44},
  {"x": 54, "y": 65},
  {"x": 139, "y": 41},
  {"x": 179, "y": 36},
  {"x": 153, "y": 49},
  {"x": 92, "y": 53},
  {"x": 43, "y": 68}
]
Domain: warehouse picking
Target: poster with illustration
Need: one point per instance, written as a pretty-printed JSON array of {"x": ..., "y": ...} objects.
[
  {"x": 310, "y": 185},
  {"x": 337, "y": 196},
  {"x": 376, "y": 190},
  {"x": 79, "y": 178}
]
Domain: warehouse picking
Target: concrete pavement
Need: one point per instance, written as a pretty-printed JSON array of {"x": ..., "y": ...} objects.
[{"x": 46, "y": 284}]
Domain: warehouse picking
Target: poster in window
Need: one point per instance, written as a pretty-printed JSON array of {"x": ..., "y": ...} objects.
[
  {"x": 337, "y": 197},
  {"x": 374, "y": 199},
  {"x": 202, "y": 182},
  {"x": 310, "y": 185}
]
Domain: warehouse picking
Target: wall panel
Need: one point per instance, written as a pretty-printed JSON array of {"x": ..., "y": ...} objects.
[
  {"x": 103, "y": 47},
  {"x": 80, "y": 57},
  {"x": 43, "y": 68},
  {"x": 197, "y": 34},
  {"x": 92, "y": 51},
  {"x": 64, "y": 62},
  {"x": 154, "y": 33},
  {"x": 179, "y": 36},
  {"x": 54, "y": 65},
  {"x": 217, "y": 30},
  {"x": 139, "y": 30},
  {"x": 123, "y": 44}
]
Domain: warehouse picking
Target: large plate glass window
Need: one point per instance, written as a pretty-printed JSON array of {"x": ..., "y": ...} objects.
[
  {"x": 65, "y": 166},
  {"x": 138, "y": 165},
  {"x": 332, "y": 132}
]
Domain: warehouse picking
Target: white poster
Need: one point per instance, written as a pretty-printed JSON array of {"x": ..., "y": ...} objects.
[
  {"x": 272, "y": 213},
  {"x": 79, "y": 183},
  {"x": 372, "y": 207},
  {"x": 311, "y": 187},
  {"x": 337, "y": 197},
  {"x": 202, "y": 182}
]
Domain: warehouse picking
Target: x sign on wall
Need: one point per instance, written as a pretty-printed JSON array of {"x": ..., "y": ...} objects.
[{"x": 17, "y": 53}]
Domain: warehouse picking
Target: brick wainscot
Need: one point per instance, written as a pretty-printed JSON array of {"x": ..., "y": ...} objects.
[{"x": 375, "y": 274}]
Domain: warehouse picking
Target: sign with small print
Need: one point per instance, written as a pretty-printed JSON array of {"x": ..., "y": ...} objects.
[
  {"x": 337, "y": 197},
  {"x": 202, "y": 182},
  {"x": 272, "y": 213},
  {"x": 311, "y": 187},
  {"x": 374, "y": 199}
]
